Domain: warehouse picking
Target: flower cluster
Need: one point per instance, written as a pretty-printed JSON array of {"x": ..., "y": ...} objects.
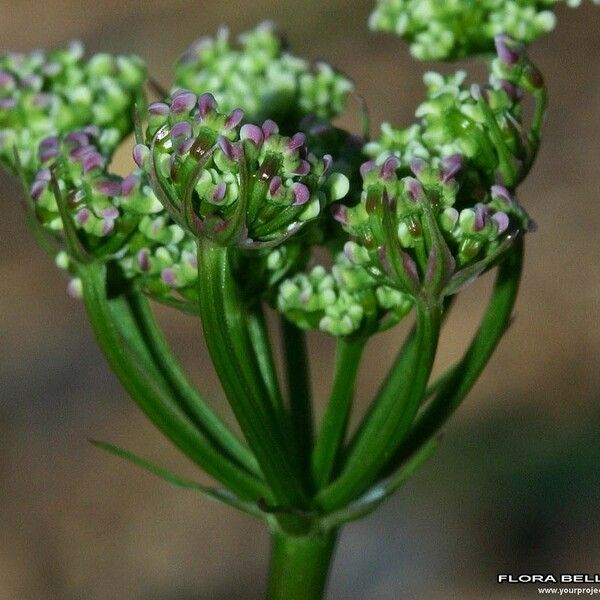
[
  {"x": 484, "y": 126},
  {"x": 411, "y": 233},
  {"x": 114, "y": 219},
  {"x": 342, "y": 301},
  {"x": 243, "y": 185},
  {"x": 263, "y": 79},
  {"x": 458, "y": 28},
  {"x": 43, "y": 94}
]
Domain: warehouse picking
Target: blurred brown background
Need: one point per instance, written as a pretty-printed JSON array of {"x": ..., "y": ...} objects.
[{"x": 515, "y": 487}]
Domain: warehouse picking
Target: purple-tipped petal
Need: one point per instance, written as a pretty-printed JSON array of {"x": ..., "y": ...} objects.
[
  {"x": 479, "y": 223},
  {"x": 158, "y": 109},
  {"x": 92, "y": 131},
  {"x": 414, "y": 189},
  {"x": 388, "y": 169},
  {"x": 108, "y": 226},
  {"x": 340, "y": 213},
  {"x": 296, "y": 141},
  {"x": 327, "y": 163},
  {"x": 417, "y": 166},
  {"x": 182, "y": 101},
  {"x": 79, "y": 138},
  {"x": 410, "y": 268},
  {"x": 234, "y": 119},
  {"x": 143, "y": 259},
  {"x": 303, "y": 168},
  {"x": 231, "y": 151},
  {"x": 275, "y": 185},
  {"x": 269, "y": 128},
  {"x": 110, "y": 212},
  {"x": 186, "y": 146},
  {"x": 219, "y": 192},
  {"x": 82, "y": 216},
  {"x": 129, "y": 184},
  {"x": 501, "y": 193},
  {"x": 181, "y": 130},
  {"x": 108, "y": 187},
  {"x": 206, "y": 104},
  {"x": 140, "y": 154},
  {"x": 37, "y": 188},
  {"x": 168, "y": 276},
  {"x": 92, "y": 160},
  {"x": 502, "y": 220},
  {"x": 301, "y": 194},
  {"x": 253, "y": 133},
  {"x": 451, "y": 165},
  {"x": 507, "y": 49},
  {"x": 367, "y": 167}
]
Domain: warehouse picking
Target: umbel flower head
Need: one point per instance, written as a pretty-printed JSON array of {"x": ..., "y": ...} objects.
[
  {"x": 458, "y": 28},
  {"x": 260, "y": 77},
  {"x": 106, "y": 217},
  {"x": 44, "y": 94},
  {"x": 244, "y": 185}
]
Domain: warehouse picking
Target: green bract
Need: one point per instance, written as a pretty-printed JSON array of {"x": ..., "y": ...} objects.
[
  {"x": 43, "y": 94},
  {"x": 261, "y": 78},
  {"x": 450, "y": 29}
]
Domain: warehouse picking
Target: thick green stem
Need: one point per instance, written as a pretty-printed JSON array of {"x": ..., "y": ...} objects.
[
  {"x": 224, "y": 320},
  {"x": 300, "y": 566},
  {"x": 335, "y": 422}
]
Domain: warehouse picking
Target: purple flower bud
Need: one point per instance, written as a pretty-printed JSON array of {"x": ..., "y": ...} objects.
[
  {"x": 502, "y": 220},
  {"x": 252, "y": 133},
  {"x": 410, "y": 268},
  {"x": 340, "y": 213},
  {"x": 7, "y": 103},
  {"x": 413, "y": 188},
  {"x": 168, "y": 276},
  {"x": 219, "y": 192},
  {"x": 108, "y": 187},
  {"x": 269, "y": 128},
  {"x": 327, "y": 163},
  {"x": 206, "y": 104},
  {"x": 140, "y": 154},
  {"x": 275, "y": 185},
  {"x": 74, "y": 289},
  {"x": 108, "y": 226},
  {"x": 37, "y": 188},
  {"x": 158, "y": 109},
  {"x": 110, "y": 212},
  {"x": 417, "y": 166},
  {"x": 301, "y": 194},
  {"x": 129, "y": 184},
  {"x": 182, "y": 101},
  {"x": 6, "y": 80},
  {"x": 234, "y": 119},
  {"x": 79, "y": 138},
  {"x": 499, "y": 192},
  {"x": 186, "y": 146},
  {"x": 367, "y": 167},
  {"x": 479, "y": 223},
  {"x": 83, "y": 216},
  {"x": 181, "y": 130},
  {"x": 508, "y": 50},
  {"x": 511, "y": 90},
  {"x": 92, "y": 131},
  {"x": 296, "y": 141},
  {"x": 143, "y": 259},
  {"x": 92, "y": 160},
  {"x": 451, "y": 165},
  {"x": 388, "y": 169},
  {"x": 303, "y": 168},
  {"x": 231, "y": 151}
]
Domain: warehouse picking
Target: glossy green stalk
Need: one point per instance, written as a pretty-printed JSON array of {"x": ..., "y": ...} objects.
[
  {"x": 224, "y": 322},
  {"x": 300, "y": 565},
  {"x": 335, "y": 421},
  {"x": 124, "y": 350},
  {"x": 297, "y": 371},
  {"x": 456, "y": 385},
  {"x": 193, "y": 403},
  {"x": 391, "y": 415}
]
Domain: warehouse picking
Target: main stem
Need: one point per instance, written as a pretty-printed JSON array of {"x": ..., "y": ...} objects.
[{"x": 300, "y": 565}]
